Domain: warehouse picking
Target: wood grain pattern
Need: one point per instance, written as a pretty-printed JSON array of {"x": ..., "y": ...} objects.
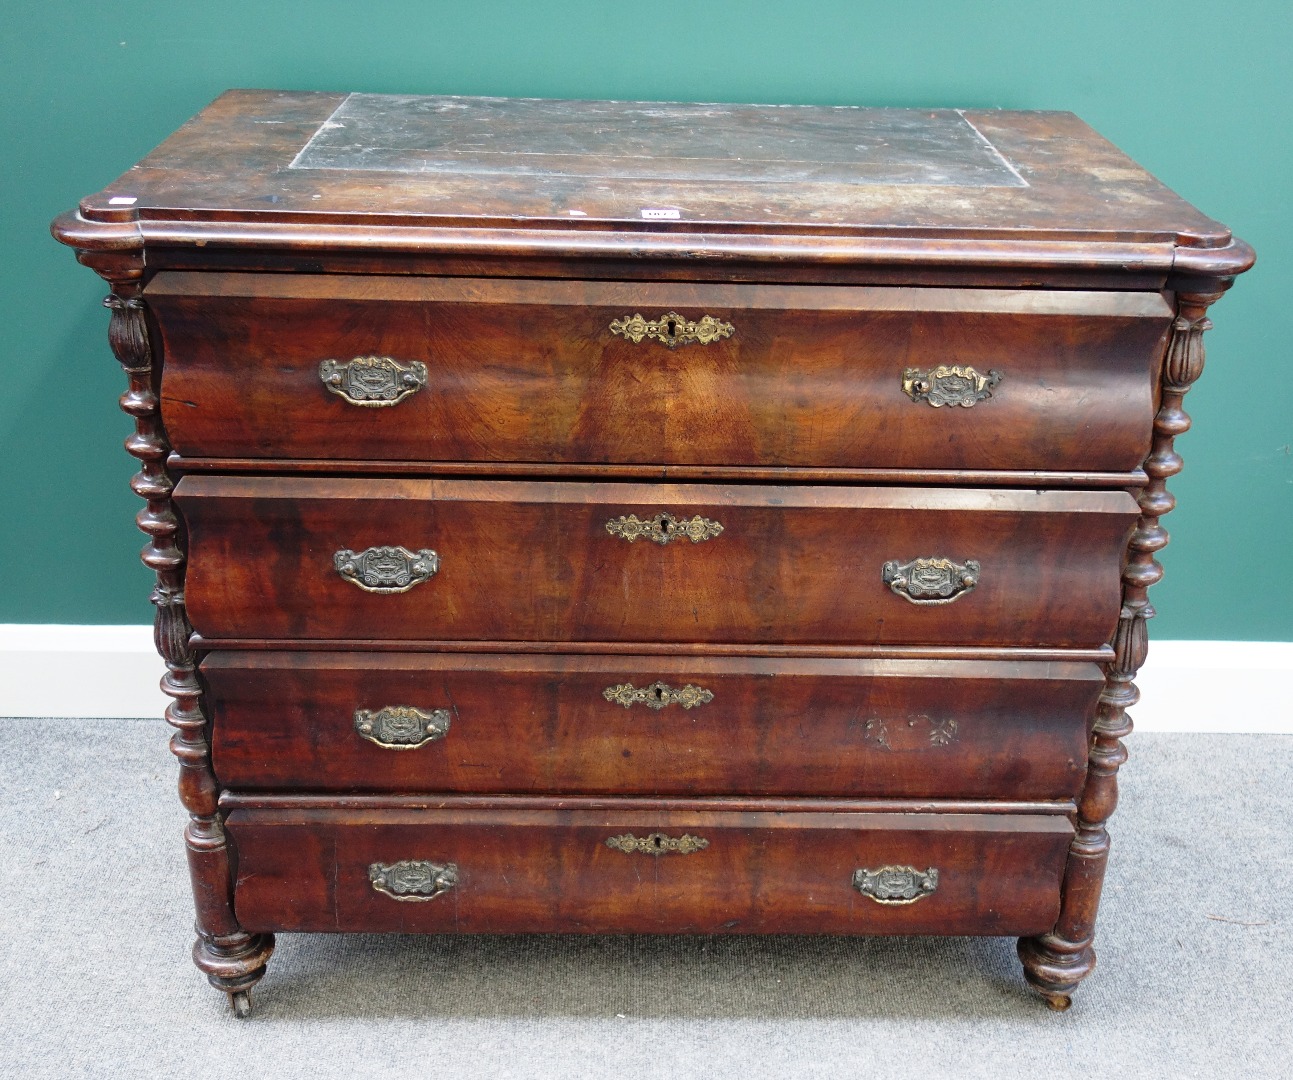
[
  {"x": 1102, "y": 654},
  {"x": 530, "y": 371},
  {"x": 231, "y": 801},
  {"x": 538, "y": 470},
  {"x": 285, "y": 721},
  {"x": 533, "y": 561},
  {"x": 219, "y": 166},
  {"x": 533, "y": 871},
  {"x": 818, "y": 260}
]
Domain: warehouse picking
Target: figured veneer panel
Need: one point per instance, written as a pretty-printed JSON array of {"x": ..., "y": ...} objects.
[
  {"x": 530, "y": 371},
  {"x": 845, "y": 728},
  {"x": 533, "y": 870},
  {"x": 533, "y": 561}
]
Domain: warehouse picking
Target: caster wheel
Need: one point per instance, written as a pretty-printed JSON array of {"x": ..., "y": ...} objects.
[
  {"x": 1057, "y": 1002},
  {"x": 240, "y": 1001}
]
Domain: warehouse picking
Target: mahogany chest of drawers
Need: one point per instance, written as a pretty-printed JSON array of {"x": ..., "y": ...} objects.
[{"x": 649, "y": 518}]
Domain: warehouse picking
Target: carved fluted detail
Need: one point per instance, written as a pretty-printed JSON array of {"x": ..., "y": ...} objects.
[
  {"x": 128, "y": 332},
  {"x": 232, "y": 959},
  {"x": 1056, "y": 963}
]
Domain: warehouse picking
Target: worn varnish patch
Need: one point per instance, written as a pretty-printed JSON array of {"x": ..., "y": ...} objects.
[
  {"x": 656, "y": 141},
  {"x": 632, "y": 180}
]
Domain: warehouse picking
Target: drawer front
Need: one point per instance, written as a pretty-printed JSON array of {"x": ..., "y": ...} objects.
[
  {"x": 650, "y": 725},
  {"x": 498, "y": 561},
  {"x": 520, "y": 871},
  {"x": 493, "y": 370}
]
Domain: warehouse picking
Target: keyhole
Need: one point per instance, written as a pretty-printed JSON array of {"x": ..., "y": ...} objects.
[
  {"x": 659, "y": 694},
  {"x": 657, "y": 840},
  {"x": 673, "y": 328}
]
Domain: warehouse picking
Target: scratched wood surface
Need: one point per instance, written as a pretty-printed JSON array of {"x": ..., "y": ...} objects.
[
  {"x": 278, "y": 156},
  {"x": 613, "y": 140}
]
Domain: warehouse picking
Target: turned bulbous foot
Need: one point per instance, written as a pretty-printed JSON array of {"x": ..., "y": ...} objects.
[
  {"x": 1055, "y": 967},
  {"x": 234, "y": 963}
]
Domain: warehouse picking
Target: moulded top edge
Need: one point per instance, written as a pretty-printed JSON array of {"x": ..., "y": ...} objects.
[{"x": 309, "y": 169}]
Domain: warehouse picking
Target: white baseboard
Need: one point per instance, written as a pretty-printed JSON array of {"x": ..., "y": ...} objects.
[
  {"x": 1220, "y": 686},
  {"x": 113, "y": 672},
  {"x": 80, "y": 671}
]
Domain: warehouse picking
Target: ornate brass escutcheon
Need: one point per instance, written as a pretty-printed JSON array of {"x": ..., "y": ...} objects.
[
  {"x": 658, "y": 695},
  {"x": 386, "y": 569},
  {"x": 402, "y": 727},
  {"x": 413, "y": 879},
  {"x": 949, "y": 384},
  {"x": 672, "y": 329},
  {"x": 663, "y": 528},
  {"x": 895, "y": 884},
  {"x": 373, "y": 381},
  {"x": 657, "y": 844},
  {"x": 931, "y": 581}
]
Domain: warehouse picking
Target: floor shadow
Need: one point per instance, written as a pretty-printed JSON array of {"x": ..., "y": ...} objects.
[{"x": 661, "y": 977}]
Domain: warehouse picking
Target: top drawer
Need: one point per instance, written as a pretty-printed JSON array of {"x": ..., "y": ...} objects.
[{"x": 549, "y": 371}]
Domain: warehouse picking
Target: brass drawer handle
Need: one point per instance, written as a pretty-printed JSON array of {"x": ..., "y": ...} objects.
[
  {"x": 373, "y": 381},
  {"x": 657, "y": 844},
  {"x": 663, "y": 528},
  {"x": 386, "y": 569},
  {"x": 895, "y": 884},
  {"x": 949, "y": 384},
  {"x": 402, "y": 727},
  {"x": 672, "y": 329},
  {"x": 413, "y": 879},
  {"x": 931, "y": 581},
  {"x": 658, "y": 695}
]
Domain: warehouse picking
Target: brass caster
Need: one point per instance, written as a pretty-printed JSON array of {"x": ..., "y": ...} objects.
[
  {"x": 240, "y": 1002},
  {"x": 1056, "y": 1002}
]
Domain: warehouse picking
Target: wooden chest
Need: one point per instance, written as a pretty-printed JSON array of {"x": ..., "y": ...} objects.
[{"x": 580, "y": 516}]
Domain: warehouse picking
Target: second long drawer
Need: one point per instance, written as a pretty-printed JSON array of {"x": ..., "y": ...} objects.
[
  {"x": 650, "y": 725},
  {"x": 439, "y": 560}
]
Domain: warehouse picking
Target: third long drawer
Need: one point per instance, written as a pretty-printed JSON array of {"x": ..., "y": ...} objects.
[
  {"x": 441, "y": 560},
  {"x": 650, "y": 725}
]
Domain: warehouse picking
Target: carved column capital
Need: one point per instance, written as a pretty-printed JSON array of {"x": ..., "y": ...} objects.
[
  {"x": 128, "y": 332},
  {"x": 1184, "y": 361}
]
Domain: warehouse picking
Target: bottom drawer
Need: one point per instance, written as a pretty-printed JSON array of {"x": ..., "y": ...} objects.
[{"x": 412, "y": 869}]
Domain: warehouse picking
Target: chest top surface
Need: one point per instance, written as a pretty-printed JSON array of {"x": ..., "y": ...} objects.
[{"x": 284, "y": 156}]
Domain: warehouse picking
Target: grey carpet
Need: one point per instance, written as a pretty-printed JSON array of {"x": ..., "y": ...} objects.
[{"x": 95, "y": 925}]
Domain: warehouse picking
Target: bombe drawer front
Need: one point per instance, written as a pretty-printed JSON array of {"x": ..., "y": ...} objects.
[
  {"x": 427, "y": 870},
  {"x": 490, "y": 370},
  {"x": 496, "y": 561},
  {"x": 649, "y": 725}
]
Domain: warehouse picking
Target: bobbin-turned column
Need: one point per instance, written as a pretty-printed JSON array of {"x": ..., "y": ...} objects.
[
  {"x": 232, "y": 959},
  {"x": 1055, "y": 963}
]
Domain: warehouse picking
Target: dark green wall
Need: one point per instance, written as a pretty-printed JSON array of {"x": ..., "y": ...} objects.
[{"x": 1197, "y": 92}]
